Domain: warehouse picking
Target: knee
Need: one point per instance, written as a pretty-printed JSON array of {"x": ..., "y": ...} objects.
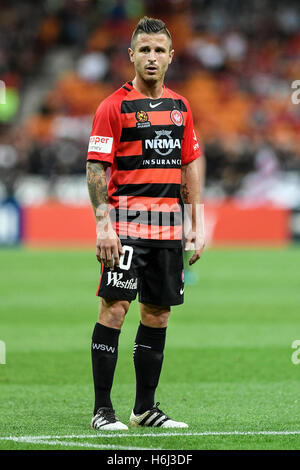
[
  {"x": 112, "y": 312},
  {"x": 155, "y": 316}
]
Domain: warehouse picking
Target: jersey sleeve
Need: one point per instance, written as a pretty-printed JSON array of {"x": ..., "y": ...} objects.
[
  {"x": 190, "y": 145},
  {"x": 106, "y": 132}
]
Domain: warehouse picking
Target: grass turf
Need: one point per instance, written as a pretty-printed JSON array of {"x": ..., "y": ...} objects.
[{"x": 227, "y": 362}]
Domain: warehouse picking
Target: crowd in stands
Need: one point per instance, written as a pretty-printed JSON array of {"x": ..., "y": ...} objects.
[{"x": 234, "y": 61}]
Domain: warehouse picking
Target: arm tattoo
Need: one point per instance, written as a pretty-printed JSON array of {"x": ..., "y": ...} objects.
[
  {"x": 97, "y": 187},
  {"x": 185, "y": 194}
]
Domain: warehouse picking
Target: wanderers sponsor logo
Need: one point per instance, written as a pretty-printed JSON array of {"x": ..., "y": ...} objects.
[
  {"x": 171, "y": 162},
  {"x": 196, "y": 145},
  {"x": 163, "y": 143},
  {"x": 100, "y": 144},
  {"x": 103, "y": 347},
  {"x": 114, "y": 279}
]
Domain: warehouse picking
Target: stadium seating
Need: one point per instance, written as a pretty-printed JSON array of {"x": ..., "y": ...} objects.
[{"x": 235, "y": 67}]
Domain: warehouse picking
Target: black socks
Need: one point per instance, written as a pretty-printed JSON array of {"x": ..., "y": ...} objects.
[
  {"x": 148, "y": 358},
  {"x": 104, "y": 358}
]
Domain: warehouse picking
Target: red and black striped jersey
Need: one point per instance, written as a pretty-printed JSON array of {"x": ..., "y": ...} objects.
[{"x": 146, "y": 141}]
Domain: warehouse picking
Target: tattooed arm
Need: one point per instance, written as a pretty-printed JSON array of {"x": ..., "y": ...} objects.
[
  {"x": 108, "y": 245},
  {"x": 190, "y": 192}
]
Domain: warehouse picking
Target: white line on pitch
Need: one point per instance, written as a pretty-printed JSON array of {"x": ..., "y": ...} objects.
[
  {"x": 56, "y": 442},
  {"x": 158, "y": 434}
]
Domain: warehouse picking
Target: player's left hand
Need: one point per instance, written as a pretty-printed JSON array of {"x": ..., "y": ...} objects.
[{"x": 197, "y": 244}]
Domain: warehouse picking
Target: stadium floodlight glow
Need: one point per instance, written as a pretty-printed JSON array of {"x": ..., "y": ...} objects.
[{"x": 2, "y": 92}]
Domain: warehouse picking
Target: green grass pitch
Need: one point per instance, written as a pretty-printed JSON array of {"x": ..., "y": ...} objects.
[{"x": 227, "y": 370}]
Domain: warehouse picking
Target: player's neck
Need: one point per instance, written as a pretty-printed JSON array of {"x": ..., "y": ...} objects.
[{"x": 151, "y": 90}]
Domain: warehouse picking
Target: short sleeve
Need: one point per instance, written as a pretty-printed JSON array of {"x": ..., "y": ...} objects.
[
  {"x": 190, "y": 145},
  {"x": 106, "y": 131}
]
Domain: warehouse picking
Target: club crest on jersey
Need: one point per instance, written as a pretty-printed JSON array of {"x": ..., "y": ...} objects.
[
  {"x": 163, "y": 144},
  {"x": 142, "y": 119},
  {"x": 176, "y": 117}
]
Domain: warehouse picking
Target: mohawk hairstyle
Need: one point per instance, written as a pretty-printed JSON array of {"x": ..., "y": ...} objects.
[{"x": 149, "y": 26}]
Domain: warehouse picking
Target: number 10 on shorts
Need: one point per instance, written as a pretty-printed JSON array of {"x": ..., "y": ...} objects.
[{"x": 126, "y": 258}]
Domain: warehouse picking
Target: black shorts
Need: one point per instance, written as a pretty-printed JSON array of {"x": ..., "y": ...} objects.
[{"x": 156, "y": 274}]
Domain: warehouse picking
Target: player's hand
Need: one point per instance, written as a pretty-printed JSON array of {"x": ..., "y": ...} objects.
[
  {"x": 196, "y": 243},
  {"x": 108, "y": 245}
]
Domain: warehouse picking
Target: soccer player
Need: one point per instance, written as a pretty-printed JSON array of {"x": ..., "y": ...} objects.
[{"x": 143, "y": 134}]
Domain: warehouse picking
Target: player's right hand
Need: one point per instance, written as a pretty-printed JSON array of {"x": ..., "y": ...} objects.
[{"x": 108, "y": 245}]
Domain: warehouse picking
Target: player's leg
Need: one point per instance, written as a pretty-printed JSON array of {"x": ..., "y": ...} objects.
[
  {"x": 149, "y": 353},
  {"x": 148, "y": 360},
  {"x": 104, "y": 359},
  {"x": 163, "y": 283},
  {"x": 105, "y": 348},
  {"x": 116, "y": 289}
]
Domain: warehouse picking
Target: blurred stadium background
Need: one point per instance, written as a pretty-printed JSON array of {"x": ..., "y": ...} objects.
[{"x": 235, "y": 62}]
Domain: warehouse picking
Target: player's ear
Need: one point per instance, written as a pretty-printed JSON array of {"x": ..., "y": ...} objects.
[
  {"x": 171, "y": 54},
  {"x": 131, "y": 54}
]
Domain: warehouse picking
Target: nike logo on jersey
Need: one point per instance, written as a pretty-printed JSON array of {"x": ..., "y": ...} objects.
[
  {"x": 181, "y": 291},
  {"x": 155, "y": 105}
]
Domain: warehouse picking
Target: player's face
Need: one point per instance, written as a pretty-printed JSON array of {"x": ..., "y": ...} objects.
[{"x": 151, "y": 56}]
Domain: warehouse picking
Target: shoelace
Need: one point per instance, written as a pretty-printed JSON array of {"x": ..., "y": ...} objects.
[
  {"x": 161, "y": 413},
  {"x": 109, "y": 415}
]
